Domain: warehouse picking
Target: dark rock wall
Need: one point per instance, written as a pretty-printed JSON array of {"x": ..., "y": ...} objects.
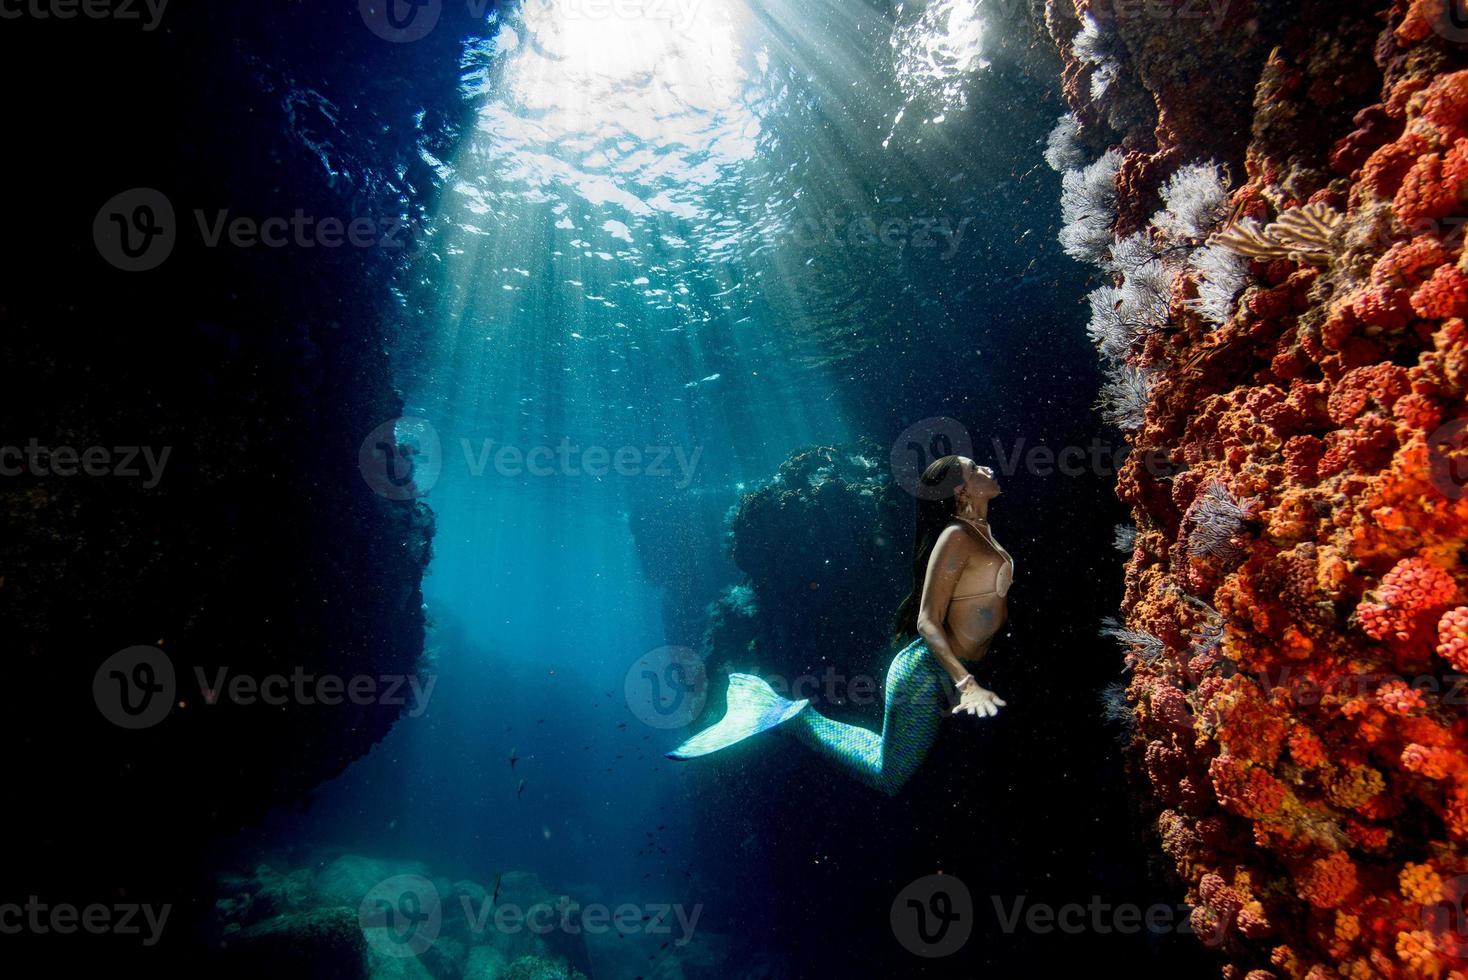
[{"x": 260, "y": 370}]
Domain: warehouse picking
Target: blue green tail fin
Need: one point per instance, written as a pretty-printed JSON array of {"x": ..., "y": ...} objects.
[{"x": 753, "y": 707}]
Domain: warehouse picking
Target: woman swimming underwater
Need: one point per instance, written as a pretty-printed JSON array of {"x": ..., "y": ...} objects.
[{"x": 961, "y": 576}]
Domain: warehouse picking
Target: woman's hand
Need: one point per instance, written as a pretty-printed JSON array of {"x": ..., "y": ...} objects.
[{"x": 977, "y": 701}]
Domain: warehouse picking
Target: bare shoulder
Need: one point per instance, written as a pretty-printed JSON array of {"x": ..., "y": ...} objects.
[{"x": 956, "y": 539}]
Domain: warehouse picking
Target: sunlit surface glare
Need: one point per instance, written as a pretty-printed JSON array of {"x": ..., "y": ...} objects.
[{"x": 616, "y": 101}]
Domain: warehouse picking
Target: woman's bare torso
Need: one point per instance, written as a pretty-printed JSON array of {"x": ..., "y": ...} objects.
[{"x": 979, "y": 607}]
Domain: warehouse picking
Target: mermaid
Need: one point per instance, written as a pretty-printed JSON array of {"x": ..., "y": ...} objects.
[{"x": 961, "y": 577}]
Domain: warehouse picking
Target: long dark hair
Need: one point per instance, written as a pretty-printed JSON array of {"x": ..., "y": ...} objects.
[{"x": 936, "y": 508}]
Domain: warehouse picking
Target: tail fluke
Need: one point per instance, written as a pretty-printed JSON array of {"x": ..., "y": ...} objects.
[{"x": 754, "y": 707}]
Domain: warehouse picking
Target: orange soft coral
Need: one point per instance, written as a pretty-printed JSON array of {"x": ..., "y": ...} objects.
[
  {"x": 1442, "y": 296},
  {"x": 1328, "y": 881},
  {"x": 1412, "y": 590},
  {"x": 1452, "y": 637}
]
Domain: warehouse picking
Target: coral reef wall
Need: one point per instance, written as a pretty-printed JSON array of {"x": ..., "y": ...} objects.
[{"x": 1274, "y": 199}]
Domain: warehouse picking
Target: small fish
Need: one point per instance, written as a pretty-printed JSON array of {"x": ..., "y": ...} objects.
[
  {"x": 622, "y": 726},
  {"x": 494, "y": 897},
  {"x": 513, "y": 758},
  {"x": 521, "y": 791}
]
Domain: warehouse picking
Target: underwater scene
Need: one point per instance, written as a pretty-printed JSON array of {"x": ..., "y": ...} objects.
[{"x": 533, "y": 490}]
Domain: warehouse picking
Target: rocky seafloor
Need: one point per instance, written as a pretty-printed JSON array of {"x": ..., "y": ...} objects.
[{"x": 354, "y": 917}]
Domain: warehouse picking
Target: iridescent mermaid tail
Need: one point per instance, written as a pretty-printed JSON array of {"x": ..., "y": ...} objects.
[
  {"x": 753, "y": 707},
  {"x": 917, "y": 689}
]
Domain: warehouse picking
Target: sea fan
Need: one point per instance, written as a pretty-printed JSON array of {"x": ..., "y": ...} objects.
[
  {"x": 1099, "y": 50},
  {"x": 1221, "y": 274},
  {"x": 1062, "y": 149},
  {"x": 1131, "y": 253},
  {"x": 1145, "y": 646},
  {"x": 1088, "y": 207},
  {"x": 1090, "y": 44},
  {"x": 1123, "y": 400},
  {"x": 1116, "y": 708},
  {"x": 1107, "y": 327},
  {"x": 1146, "y": 294},
  {"x": 1216, "y": 517},
  {"x": 1122, "y": 315},
  {"x": 1101, "y": 79},
  {"x": 1194, "y": 201}
]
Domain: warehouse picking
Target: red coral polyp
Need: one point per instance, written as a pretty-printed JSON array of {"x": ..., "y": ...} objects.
[
  {"x": 1329, "y": 881},
  {"x": 1411, "y": 590},
  {"x": 1452, "y": 637},
  {"x": 1444, "y": 295}
]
